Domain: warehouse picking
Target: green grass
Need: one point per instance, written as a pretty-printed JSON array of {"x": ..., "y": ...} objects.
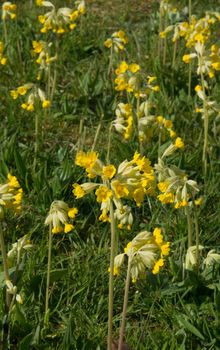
[{"x": 164, "y": 312}]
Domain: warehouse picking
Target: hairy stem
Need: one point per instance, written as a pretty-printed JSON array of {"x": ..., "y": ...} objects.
[
  {"x": 111, "y": 277},
  {"x": 48, "y": 275},
  {"x": 5, "y": 264},
  {"x": 189, "y": 226},
  {"x": 127, "y": 283}
]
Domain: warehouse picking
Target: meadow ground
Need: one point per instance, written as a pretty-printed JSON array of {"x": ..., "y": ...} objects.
[{"x": 178, "y": 308}]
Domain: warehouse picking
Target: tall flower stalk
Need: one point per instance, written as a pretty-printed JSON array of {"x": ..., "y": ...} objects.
[
  {"x": 145, "y": 251},
  {"x": 58, "y": 220}
]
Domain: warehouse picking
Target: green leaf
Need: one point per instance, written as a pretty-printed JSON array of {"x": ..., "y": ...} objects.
[
  {"x": 182, "y": 319},
  {"x": 26, "y": 342},
  {"x": 20, "y": 163}
]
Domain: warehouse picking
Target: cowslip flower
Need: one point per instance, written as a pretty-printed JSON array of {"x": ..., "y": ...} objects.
[
  {"x": 18, "y": 248},
  {"x": 124, "y": 120},
  {"x": 175, "y": 186},
  {"x": 59, "y": 217},
  {"x": 35, "y": 97},
  {"x": 8, "y": 10},
  {"x": 132, "y": 181},
  {"x": 11, "y": 289},
  {"x": 3, "y": 59},
  {"x": 145, "y": 252},
  {"x": 117, "y": 41},
  {"x": 10, "y": 195},
  {"x": 60, "y": 20}
]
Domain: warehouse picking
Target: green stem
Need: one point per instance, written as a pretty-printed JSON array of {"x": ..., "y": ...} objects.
[
  {"x": 55, "y": 72},
  {"x": 97, "y": 134},
  {"x": 36, "y": 145},
  {"x": 190, "y": 10},
  {"x": 190, "y": 63},
  {"x": 174, "y": 54},
  {"x": 111, "y": 276},
  {"x": 189, "y": 226},
  {"x": 160, "y": 30},
  {"x": 159, "y": 144},
  {"x": 46, "y": 317},
  {"x": 190, "y": 79},
  {"x": 5, "y": 264},
  {"x": 197, "y": 239},
  {"x": 206, "y": 127},
  {"x": 165, "y": 42},
  {"x": 110, "y": 61},
  {"x": 137, "y": 123},
  {"x": 109, "y": 144},
  {"x": 127, "y": 283},
  {"x": 5, "y": 32}
]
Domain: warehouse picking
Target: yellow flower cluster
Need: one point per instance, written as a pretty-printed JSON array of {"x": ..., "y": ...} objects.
[
  {"x": 175, "y": 186},
  {"x": 128, "y": 80},
  {"x": 117, "y": 41},
  {"x": 145, "y": 251},
  {"x": 3, "y": 60},
  {"x": 62, "y": 20},
  {"x": 10, "y": 195},
  {"x": 133, "y": 180},
  {"x": 42, "y": 50},
  {"x": 197, "y": 31},
  {"x": 150, "y": 125},
  {"x": 35, "y": 96},
  {"x": 8, "y": 10},
  {"x": 126, "y": 77},
  {"x": 124, "y": 120},
  {"x": 59, "y": 217}
]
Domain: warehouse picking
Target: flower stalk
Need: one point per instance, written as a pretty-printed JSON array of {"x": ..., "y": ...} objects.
[
  {"x": 46, "y": 317},
  {"x": 111, "y": 276},
  {"x": 124, "y": 313},
  {"x": 189, "y": 226},
  {"x": 5, "y": 264}
]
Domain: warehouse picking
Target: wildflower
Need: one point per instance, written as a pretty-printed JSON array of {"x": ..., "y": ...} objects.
[
  {"x": 14, "y": 94},
  {"x": 22, "y": 90},
  {"x": 158, "y": 236},
  {"x": 103, "y": 194},
  {"x": 8, "y": 10},
  {"x": 18, "y": 248},
  {"x": 212, "y": 258},
  {"x": 3, "y": 60},
  {"x": 133, "y": 67},
  {"x": 10, "y": 195},
  {"x": 198, "y": 88},
  {"x": 78, "y": 191},
  {"x": 11, "y": 289},
  {"x": 191, "y": 257},
  {"x": 122, "y": 68},
  {"x": 118, "y": 41},
  {"x": 58, "y": 217},
  {"x": 109, "y": 171},
  {"x": 198, "y": 201},
  {"x": 175, "y": 185},
  {"x": 144, "y": 252},
  {"x": 72, "y": 212},
  {"x": 59, "y": 20},
  {"x": 179, "y": 143},
  {"x": 186, "y": 58},
  {"x": 157, "y": 266},
  {"x": 119, "y": 189},
  {"x": 115, "y": 271},
  {"x": 46, "y": 104}
]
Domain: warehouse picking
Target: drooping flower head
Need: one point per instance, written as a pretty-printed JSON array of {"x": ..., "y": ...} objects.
[
  {"x": 10, "y": 195},
  {"x": 59, "y": 217},
  {"x": 145, "y": 251}
]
